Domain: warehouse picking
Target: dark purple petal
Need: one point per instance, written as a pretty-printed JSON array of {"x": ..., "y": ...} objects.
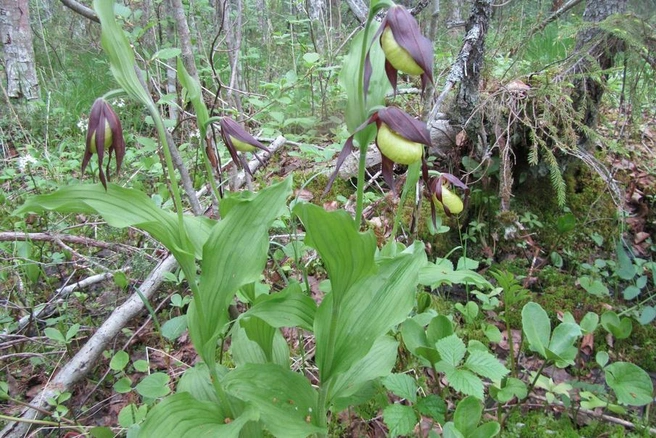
[
  {"x": 231, "y": 128},
  {"x": 392, "y": 75},
  {"x": 387, "y": 169},
  {"x": 435, "y": 190},
  {"x": 405, "y": 30},
  {"x": 405, "y": 125},
  {"x": 346, "y": 150}
]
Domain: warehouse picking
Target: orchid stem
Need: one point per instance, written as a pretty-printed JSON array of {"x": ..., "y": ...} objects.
[{"x": 362, "y": 104}]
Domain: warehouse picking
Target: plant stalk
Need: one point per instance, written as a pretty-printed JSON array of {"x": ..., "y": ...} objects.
[{"x": 362, "y": 105}]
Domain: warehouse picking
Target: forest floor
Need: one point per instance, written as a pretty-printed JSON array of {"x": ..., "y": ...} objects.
[{"x": 30, "y": 358}]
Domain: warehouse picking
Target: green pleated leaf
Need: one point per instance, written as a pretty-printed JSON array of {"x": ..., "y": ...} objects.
[
  {"x": 347, "y": 254},
  {"x": 255, "y": 341},
  {"x": 377, "y": 363},
  {"x": 369, "y": 309},
  {"x": 198, "y": 383},
  {"x": 631, "y": 384},
  {"x": 288, "y": 308},
  {"x": 118, "y": 50},
  {"x": 234, "y": 255},
  {"x": 182, "y": 416},
  {"x": 121, "y": 208},
  {"x": 537, "y": 327},
  {"x": 367, "y": 299},
  {"x": 285, "y": 400}
]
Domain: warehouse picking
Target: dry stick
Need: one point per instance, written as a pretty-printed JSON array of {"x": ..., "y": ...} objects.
[
  {"x": 593, "y": 414},
  {"x": 11, "y": 236},
  {"x": 551, "y": 18},
  {"x": 256, "y": 163},
  {"x": 59, "y": 297},
  {"x": 84, "y": 360}
]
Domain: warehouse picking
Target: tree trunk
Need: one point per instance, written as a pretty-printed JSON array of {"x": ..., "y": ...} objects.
[
  {"x": 466, "y": 71},
  {"x": 18, "y": 49},
  {"x": 597, "y": 50},
  {"x": 231, "y": 13},
  {"x": 434, "y": 20},
  {"x": 317, "y": 13}
]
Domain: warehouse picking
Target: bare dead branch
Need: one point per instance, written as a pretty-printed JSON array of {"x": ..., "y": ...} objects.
[
  {"x": 11, "y": 236},
  {"x": 86, "y": 358},
  {"x": 81, "y": 9}
]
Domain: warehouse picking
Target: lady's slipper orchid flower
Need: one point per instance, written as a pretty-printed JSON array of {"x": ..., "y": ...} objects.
[
  {"x": 237, "y": 139},
  {"x": 440, "y": 193},
  {"x": 104, "y": 131},
  {"x": 405, "y": 48},
  {"x": 400, "y": 139}
]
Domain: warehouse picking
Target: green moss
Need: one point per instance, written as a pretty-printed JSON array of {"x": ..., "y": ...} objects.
[
  {"x": 316, "y": 184},
  {"x": 639, "y": 348},
  {"x": 540, "y": 423}
]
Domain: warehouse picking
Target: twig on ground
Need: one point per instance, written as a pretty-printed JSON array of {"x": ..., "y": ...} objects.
[
  {"x": 59, "y": 297},
  {"x": 86, "y": 357},
  {"x": 11, "y": 236}
]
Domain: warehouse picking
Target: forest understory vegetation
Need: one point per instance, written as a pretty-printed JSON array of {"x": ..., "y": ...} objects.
[{"x": 310, "y": 237}]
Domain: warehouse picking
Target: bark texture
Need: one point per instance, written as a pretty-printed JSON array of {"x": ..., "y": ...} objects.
[
  {"x": 18, "y": 50},
  {"x": 465, "y": 71},
  {"x": 596, "y": 50}
]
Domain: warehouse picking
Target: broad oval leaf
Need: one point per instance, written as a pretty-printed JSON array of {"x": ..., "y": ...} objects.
[
  {"x": 631, "y": 384},
  {"x": 537, "y": 327},
  {"x": 285, "y": 400},
  {"x": 154, "y": 386},
  {"x": 468, "y": 415},
  {"x": 182, "y": 416}
]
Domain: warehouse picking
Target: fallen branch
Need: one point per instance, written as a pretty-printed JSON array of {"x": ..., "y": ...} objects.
[
  {"x": 86, "y": 358},
  {"x": 60, "y": 295},
  {"x": 594, "y": 414},
  {"x": 260, "y": 160},
  {"x": 12, "y": 236}
]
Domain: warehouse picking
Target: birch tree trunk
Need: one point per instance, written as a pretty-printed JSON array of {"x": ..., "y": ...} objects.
[
  {"x": 18, "y": 50},
  {"x": 317, "y": 12}
]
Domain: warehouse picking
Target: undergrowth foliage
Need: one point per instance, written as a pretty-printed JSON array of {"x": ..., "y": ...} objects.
[{"x": 374, "y": 303}]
